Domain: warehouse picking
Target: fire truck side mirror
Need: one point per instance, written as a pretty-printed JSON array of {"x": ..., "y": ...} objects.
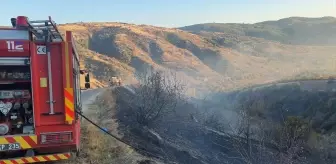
[{"x": 87, "y": 78}]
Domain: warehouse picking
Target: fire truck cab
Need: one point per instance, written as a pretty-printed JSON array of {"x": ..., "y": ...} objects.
[{"x": 39, "y": 92}]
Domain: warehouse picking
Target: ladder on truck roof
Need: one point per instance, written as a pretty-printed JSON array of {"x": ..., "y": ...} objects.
[{"x": 43, "y": 29}]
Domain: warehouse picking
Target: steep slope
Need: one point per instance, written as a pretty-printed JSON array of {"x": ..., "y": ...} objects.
[
  {"x": 293, "y": 30},
  {"x": 100, "y": 65},
  {"x": 204, "y": 60}
]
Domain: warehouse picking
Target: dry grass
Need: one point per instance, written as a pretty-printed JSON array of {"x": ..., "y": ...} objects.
[
  {"x": 249, "y": 61},
  {"x": 99, "y": 147}
]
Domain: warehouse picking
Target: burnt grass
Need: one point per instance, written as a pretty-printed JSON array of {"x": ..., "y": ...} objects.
[
  {"x": 182, "y": 137},
  {"x": 318, "y": 106},
  {"x": 177, "y": 138}
]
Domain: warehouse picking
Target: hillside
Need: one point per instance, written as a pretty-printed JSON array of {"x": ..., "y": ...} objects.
[
  {"x": 205, "y": 59},
  {"x": 204, "y": 131},
  {"x": 293, "y": 30}
]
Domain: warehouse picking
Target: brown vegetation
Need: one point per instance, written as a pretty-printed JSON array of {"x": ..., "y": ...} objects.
[{"x": 206, "y": 60}]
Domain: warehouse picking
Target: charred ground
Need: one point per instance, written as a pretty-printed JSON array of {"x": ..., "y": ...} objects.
[{"x": 201, "y": 134}]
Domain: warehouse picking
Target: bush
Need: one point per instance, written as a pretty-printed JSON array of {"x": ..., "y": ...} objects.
[
  {"x": 293, "y": 134},
  {"x": 327, "y": 148},
  {"x": 156, "y": 96}
]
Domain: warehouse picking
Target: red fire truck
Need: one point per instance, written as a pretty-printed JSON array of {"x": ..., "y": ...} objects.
[{"x": 39, "y": 92}]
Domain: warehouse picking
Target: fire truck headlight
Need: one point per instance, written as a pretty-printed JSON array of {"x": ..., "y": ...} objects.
[{"x": 4, "y": 129}]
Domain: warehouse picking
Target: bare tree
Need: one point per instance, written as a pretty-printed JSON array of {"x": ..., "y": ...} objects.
[
  {"x": 157, "y": 95},
  {"x": 250, "y": 140}
]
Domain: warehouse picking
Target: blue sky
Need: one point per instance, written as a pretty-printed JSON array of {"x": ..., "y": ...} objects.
[{"x": 168, "y": 13}]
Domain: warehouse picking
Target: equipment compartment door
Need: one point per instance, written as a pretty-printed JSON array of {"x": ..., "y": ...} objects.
[{"x": 40, "y": 71}]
